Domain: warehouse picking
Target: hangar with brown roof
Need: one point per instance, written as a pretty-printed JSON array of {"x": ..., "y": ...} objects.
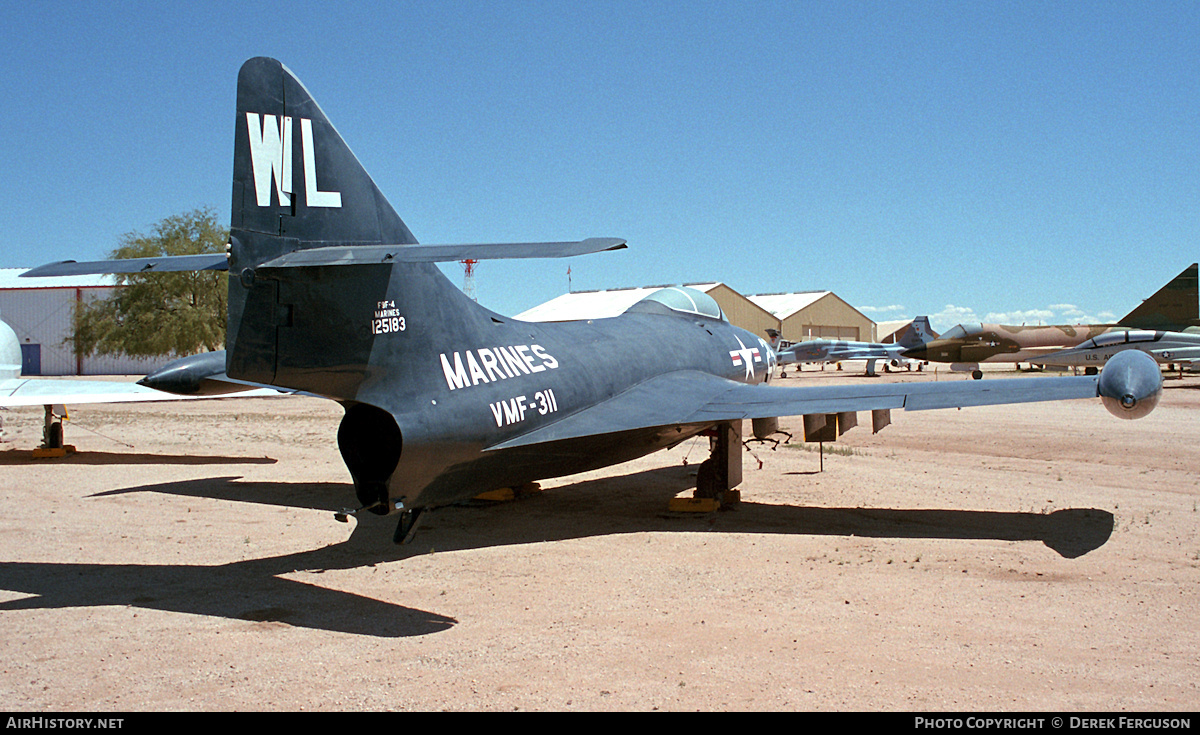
[{"x": 808, "y": 315}]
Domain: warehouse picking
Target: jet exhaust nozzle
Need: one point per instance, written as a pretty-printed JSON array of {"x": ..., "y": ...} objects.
[{"x": 1130, "y": 384}]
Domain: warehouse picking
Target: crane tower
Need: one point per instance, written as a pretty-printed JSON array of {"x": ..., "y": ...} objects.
[{"x": 469, "y": 278}]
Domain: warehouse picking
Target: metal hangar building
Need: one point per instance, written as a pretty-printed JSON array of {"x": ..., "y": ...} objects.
[
  {"x": 797, "y": 316},
  {"x": 808, "y": 315},
  {"x": 42, "y": 311}
]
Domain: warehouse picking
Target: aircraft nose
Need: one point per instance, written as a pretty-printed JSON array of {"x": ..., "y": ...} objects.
[{"x": 1130, "y": 384}]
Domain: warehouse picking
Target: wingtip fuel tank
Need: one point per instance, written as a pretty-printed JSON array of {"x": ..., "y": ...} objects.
[{"x": 1130, "y": 384}]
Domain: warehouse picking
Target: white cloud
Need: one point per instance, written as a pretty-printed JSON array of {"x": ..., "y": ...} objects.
[
  {"x": 1026, "y": 316},
  {"x": 1070, "y": 313},
  {"x": 880, "y": 309},
  {"x": 950, "y": 316}
]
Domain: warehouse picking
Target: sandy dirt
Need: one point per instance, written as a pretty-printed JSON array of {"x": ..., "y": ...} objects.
[{"x": 1038, "y": 557}]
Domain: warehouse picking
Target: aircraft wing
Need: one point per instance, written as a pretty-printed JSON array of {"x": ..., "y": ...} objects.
[
  {"x": 689, "y": 398},
  {"x": 859, "y": 353},
  {"x": 51, "y": 391}
]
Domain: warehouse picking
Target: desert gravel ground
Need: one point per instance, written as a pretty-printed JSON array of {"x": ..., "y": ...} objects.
[{"x": 1041, "y": 557}]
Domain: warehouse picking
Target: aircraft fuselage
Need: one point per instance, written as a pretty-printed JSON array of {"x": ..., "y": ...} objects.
[
  {"x": 428, "y": 429},
  {"x": 987, "y": 343}
]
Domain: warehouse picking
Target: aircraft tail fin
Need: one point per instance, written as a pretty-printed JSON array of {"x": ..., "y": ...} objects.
[
  {"x": 314, "y": 277},
  {"x": 918, "y": 333},
  {"x": 326, "y": 281},
  {"x": 1174, "y": 308},
  {"x": 324, "y": 275},
  {"x": 293, "y": 175}
]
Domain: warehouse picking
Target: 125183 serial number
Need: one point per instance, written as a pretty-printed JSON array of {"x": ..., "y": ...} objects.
[{"x": 387, "y": 325}]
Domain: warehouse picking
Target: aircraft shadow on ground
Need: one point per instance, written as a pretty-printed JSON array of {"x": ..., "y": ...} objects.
[
  {"x": 251, "y": 590},
  {"x": 1167, "y": 384},
  {"x": 637, "y": 502},
  {"x": 18, "y": 456},
  {"x": 330, "y": 496},
  {"x": 254, "y": 590}
]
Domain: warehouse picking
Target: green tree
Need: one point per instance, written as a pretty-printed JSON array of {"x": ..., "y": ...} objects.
[{"x": 158, "y": 314}]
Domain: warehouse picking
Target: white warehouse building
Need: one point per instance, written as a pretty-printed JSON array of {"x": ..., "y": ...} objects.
[{"x": 41, "y": 310}]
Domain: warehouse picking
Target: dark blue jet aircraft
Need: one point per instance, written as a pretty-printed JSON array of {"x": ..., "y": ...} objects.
[{"x": 330, "y": 294}]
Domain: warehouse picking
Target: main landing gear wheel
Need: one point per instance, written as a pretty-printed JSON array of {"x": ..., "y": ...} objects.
[
  {"x": 54, "y": 435},
  {"x": 707, "y": 485},
  {"x": 717, "y": 476}
]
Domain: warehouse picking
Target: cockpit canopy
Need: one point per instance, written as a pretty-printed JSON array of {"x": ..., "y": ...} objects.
[
  {"x": 683, "y": 300},
  {"x": 1124, "y": 336},
  {"x": 962, "y": 331}
]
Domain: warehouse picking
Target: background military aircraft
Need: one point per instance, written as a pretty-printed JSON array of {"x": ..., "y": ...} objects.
[
  {"x": 1175, "y": 307},
  {"x": 54, "y": 394},
  {"x": 331, "y": 294},
  {"x": 829, "y": 350},
  {"x": 1165, "y": 347}
]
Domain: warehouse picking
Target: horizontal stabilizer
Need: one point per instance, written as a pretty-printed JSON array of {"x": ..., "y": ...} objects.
[
  {"x": 375, "y": 254},
  {"x": 161, "y": 264},
  {"x": 336, "y": 255},
  {"x": 1178, "y": 354}
]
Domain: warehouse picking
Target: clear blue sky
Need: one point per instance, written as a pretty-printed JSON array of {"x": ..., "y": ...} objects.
[{"x": 968, "y": 160}]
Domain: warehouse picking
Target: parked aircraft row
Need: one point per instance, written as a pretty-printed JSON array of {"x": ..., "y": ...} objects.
[
  {"x": 331, "y": 294},
  {"x": 1159, "y": 324},
  {"x": 826, "y": 350}
]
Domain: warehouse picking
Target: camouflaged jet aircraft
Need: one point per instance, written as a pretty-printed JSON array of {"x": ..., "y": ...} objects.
[
  {"x": 1175, "y": 307},
  {"x": 331, "y": 294}
]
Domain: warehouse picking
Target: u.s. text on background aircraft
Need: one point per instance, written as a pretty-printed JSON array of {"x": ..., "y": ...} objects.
[
  {"x": 330, "y": 293},
  {"x": 1173, "y": 308},
  {"x": 832, "y": 350}
]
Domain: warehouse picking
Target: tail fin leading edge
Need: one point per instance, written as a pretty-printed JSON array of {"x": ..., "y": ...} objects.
[{"x": 1175, "y": 307}]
